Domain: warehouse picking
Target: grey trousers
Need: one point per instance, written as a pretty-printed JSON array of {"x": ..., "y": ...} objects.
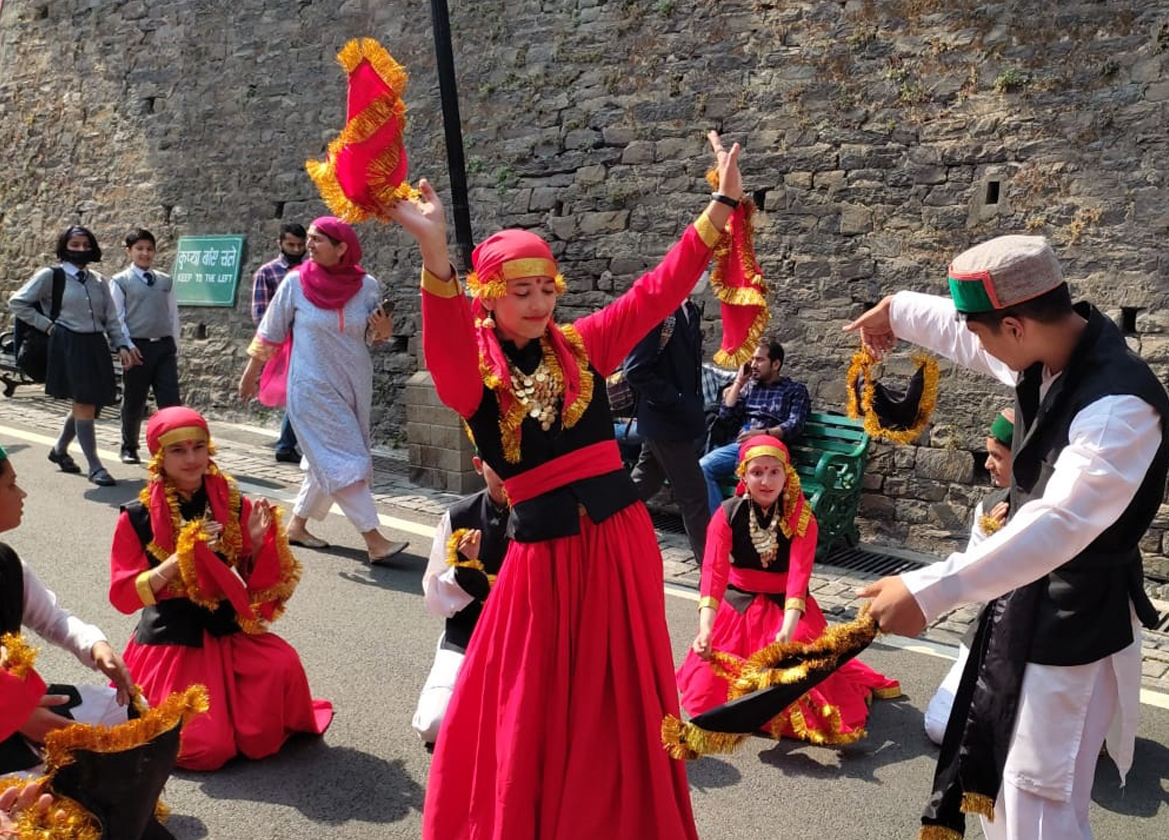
[{"x": 677, "y": 461}]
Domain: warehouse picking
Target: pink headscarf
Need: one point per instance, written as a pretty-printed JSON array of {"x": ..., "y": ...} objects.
[{"x": 331, "y": 287}]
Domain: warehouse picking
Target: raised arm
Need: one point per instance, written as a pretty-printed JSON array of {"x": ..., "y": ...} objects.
[
  {"x": 612, "y": 332},
  {"x": 929, "y": 321},
  {"x": 448, "y": 335}
]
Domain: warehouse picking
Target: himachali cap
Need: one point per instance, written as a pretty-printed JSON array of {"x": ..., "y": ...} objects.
[
  {"x": 1002, "y": 272},
  {"x": 174, "y": 424},
  {"x": 1003, "y": 427}
]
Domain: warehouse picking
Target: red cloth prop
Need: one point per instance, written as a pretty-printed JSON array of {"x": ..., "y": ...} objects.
[
  {"x": 738, "y": 283},
  {"x": 364, "y": 172}
]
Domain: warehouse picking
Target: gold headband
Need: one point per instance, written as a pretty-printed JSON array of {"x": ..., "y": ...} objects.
[
  {"x": 496, "y": 287},
  {"x": 182, "y": 433},
  {"x": 758, "y": 451}
]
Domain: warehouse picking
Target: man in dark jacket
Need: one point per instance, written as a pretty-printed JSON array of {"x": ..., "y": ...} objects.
[{"x": 665, "y": 372}]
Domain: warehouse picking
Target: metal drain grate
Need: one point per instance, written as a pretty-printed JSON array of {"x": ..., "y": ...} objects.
[
  {"x": 665, "y": 520},
  {"x": 871, "y": 561}
]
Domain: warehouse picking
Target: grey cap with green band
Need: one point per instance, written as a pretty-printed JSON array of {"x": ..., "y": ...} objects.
[{"x": 1002, "y": 272}]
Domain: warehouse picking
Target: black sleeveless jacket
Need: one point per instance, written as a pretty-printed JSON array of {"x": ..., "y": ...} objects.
[
  {"x": 556, "y": 513},
  {"x": 1082, "y": 608},
  {"x": 477, "y": 511}
]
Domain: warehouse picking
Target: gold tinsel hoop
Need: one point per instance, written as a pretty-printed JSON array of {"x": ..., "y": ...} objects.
[{"x": 860, "y": 376}]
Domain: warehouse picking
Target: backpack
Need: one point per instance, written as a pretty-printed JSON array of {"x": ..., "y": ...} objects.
[
  {"x": 622, "y": 397},
  {"x": 31, "y": 345}
]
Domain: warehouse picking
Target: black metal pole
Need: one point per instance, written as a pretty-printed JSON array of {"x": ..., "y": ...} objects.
[{"x": 456, "y": 166}]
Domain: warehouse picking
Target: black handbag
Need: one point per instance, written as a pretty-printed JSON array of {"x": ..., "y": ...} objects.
[{"x": 32, "y": 345}]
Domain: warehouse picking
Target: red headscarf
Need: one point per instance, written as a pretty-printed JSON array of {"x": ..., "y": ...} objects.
[
  {"x": 331, "y": 287},
  {"x": 796, "y": 512},
  {"x": 165, "y": 427},
  {"x": 509, "y": 255}
]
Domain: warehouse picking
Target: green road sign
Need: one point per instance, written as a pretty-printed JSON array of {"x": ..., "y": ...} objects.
[{"x": 207, "y": 270}]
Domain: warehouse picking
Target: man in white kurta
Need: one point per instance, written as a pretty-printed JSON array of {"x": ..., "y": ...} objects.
[{"x": 1065, "y": 712}]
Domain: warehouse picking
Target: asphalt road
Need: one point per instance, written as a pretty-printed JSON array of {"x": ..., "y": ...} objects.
[{"x": 367, "y": 645}]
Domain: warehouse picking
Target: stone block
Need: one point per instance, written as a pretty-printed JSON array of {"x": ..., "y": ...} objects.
[
  {"x": 618, "y": 135},
  {"x": 855, "y": 219},
  {"x": 1157, "y": 91},
  {"x": 945, "y": 465},
  {"x": 608, "y": 221},
  {"x": 877, "y": 507},
  {"x": 638, "y": 152},
  {"x": 589, "y": 175}
]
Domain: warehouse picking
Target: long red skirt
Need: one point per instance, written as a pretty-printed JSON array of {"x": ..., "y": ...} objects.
[
  {"x": 257, "y": 690},
  {"x": 554, "y": 730},
  {"x": 833, "y": 712}
]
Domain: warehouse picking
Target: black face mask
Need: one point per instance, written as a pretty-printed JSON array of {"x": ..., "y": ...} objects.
[
  {"x": 292, "y": 259},
  {"x": 81, "y": 258}
]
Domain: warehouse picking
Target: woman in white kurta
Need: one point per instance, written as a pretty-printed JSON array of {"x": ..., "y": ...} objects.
[{"x": 323, "y": 319}]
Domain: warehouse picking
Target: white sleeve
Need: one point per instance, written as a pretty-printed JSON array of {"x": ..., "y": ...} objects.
[
  {"x": 977, "y": 535},
  {"x": 54, "y": 624},
  {"x": 932, "y": 322},
  {"x": 281, "y": 311},
  {"x": 1111, "y": 444},
  {"x": 119, "y": 296},
  {"x": 443, "y": 596}
]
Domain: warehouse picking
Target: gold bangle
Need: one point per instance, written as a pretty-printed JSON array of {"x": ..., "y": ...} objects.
[
  {"x": 145, "y": 591},
  {"x": 438, "y": 287},
  {"x": 795, "y": 604},
  {"x": 708, "y": 601}
]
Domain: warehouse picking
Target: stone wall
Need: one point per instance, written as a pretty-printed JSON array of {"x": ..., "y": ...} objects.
[{"x": 881, "y": 138}]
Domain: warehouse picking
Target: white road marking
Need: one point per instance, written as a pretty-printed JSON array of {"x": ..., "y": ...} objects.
[{"x": 919, "y": 646}]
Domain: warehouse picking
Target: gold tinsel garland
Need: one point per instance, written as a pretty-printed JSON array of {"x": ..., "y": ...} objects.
[
  {"x": 19, "y": 656},
  {"x": 64, "y": 819},
  {"x": 496, "y": 287},
  {"x": 452, "y": 556},
  {"x": 758, "y": 671},
  {"x": 989, "y": 524},
  {"x": 230, "y": 547},
  {"x": 860, "y": 365},
  {"x": 938, "y": 832}
]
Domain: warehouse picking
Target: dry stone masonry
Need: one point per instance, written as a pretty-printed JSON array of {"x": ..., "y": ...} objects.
[{"x": 882, "y": 136}]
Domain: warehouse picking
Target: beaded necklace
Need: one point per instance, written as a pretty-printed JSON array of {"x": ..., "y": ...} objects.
[{"x": 765, "y": 538}]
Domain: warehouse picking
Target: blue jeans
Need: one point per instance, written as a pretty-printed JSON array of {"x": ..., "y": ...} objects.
[
  {"x": 717, "y": 466},
  {"x": 287, "y": 441}
]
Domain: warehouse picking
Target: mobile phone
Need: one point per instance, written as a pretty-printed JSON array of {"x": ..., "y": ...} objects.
[{"x": 387, "y": 307}]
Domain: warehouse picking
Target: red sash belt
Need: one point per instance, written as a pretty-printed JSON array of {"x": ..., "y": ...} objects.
[{"x": 586, "y": 462}]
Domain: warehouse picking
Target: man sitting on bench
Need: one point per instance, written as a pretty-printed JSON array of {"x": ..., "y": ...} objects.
[{"x": 759, "y": 401}]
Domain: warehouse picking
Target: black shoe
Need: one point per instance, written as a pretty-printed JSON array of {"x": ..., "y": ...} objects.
[
  {"x": 102, "y": 478},
  {"x": 64, "y": 461},
  {"x": 287, "y": 456},
  {"x": 129, "y": 456}
]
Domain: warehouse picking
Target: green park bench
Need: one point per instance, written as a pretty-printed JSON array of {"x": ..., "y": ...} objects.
[{"x": 830, "y": 461}]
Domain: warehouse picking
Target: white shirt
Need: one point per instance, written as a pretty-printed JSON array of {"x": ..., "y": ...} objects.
[
  {"x": 55, "y": 624},
  {"x": 1111, "y": 445},
  {"x": 443, "y": 596}
]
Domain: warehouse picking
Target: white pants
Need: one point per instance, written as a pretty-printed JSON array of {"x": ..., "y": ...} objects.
[
  {"x": 1020, "y": 814},
  {"x": 937, "y": 713},
  {"x": 355, "y": 501},
  {"x": 436, "y": 693}
]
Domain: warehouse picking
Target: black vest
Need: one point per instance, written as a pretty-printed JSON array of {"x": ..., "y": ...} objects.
[
  {"x": 555, "y": 513},
  {"x": 1082, "y": 608},
  {"x": 477, "y": 512},
  {"x": 744, "y": 556},
  {"x": 11, "y": 591},
  {"x": 175, "y": 621}
]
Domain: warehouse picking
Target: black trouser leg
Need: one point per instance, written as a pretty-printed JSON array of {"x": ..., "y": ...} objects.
[
  {"x": 166, "y": 375},
  {"x": 135, "y": 385},
  {"x": 679, "y": 459},
  {"x": 647, "y": 474}
]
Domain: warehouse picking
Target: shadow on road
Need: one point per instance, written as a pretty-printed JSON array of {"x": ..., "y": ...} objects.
[
  {"x": 1146, "y": 787},
  {"x": 374, "y": 790},
  {"x": 709, "y": 773},
  {"x": 126, "y": 490},
  {"x": 895, "y": 735}
]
